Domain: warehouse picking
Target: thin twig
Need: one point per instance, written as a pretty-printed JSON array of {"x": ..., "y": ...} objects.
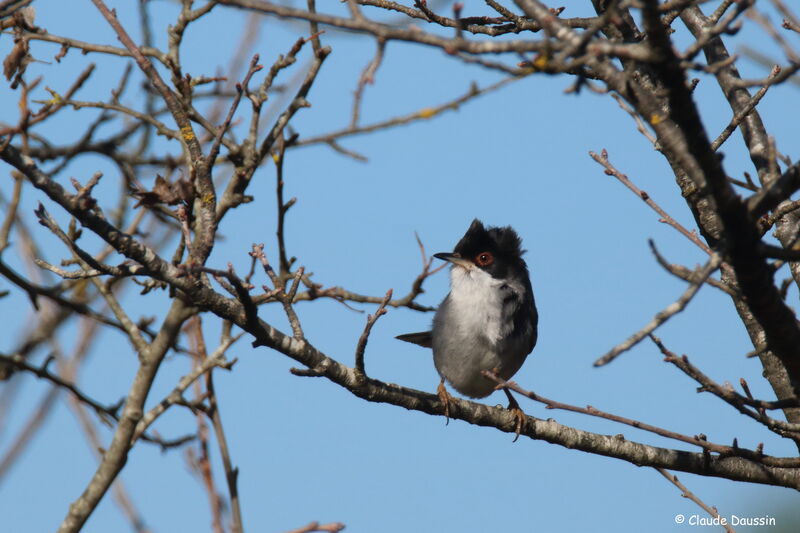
[
  {"x": 283, "y": 207},
  {"x": 367, "y": 77},
  {"x": 746, "y": 110},
  {"x": 11, "y": 210},
  {"x": 175, "y": 397},
  {"x": 314, "y": 527},
  {"x": 37, "y": 419},
  {"x": 686, "y": 493},
  {"x": 240, "y": 88},
  {"x": 602, "y": 158},
  {"x": 687, "y": 274},
  {"x": 108, "y": 412},
  {"x": 202, "y": 463},
  {"x": 728, "y": 395},
  {"x": 422, "y": 114},
  {"x": 662, "y": 316},
  {"x": 231, "y": 472},
  {"x": 279, "y": 291},
  {"x": 362, "y": 341}
]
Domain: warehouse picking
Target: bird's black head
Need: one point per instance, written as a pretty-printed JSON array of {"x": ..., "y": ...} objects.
[{"x": 496, "y": 250}]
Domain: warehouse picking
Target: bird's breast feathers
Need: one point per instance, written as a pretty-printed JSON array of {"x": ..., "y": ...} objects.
[{"x": 480, "y": 302}]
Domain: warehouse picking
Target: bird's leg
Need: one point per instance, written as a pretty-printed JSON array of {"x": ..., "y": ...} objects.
[
  {"x": 513, "y": 406},
  {"x": 516, "y": 411},
  {"x": 445, "y": 398}
]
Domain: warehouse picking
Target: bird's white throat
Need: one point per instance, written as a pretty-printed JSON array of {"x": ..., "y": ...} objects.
[{"x": 476, "y": 301}]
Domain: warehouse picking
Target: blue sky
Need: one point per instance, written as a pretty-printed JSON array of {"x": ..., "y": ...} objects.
[{"x": 307, "y": 449}]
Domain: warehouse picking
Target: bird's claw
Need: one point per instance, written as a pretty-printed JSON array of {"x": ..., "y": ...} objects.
[{"x": 518, "y": 414}]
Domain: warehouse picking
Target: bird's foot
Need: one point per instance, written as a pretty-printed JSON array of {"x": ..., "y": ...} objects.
[
  {"x": 445, "y": 398},
  {"x": 517, "y": 412}
]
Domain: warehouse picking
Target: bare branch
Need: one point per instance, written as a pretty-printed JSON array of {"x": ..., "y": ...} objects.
[
  {"x": 697, "y": 440},
  {"x": 739, "y": 402},
  {"x": 216, "y": 359},
  {"x": 686, "y": 493},
  {"x": 116, "y": 454},
  {"x": 107, "y": 412},
  {"x": 312, "y": 527},
  {"x": 662, "y": 316},
  {"x": 612, "y": 171},
  {"x": 362, "y": 341}
]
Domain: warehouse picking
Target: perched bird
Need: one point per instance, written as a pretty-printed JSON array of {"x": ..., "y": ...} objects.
[{"x": 488, "y": 321}]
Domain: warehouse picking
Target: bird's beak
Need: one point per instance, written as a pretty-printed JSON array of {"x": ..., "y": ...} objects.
[{"x": 456, "y": 259}]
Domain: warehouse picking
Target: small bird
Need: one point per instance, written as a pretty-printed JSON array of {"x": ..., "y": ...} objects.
[{"x": 488, "y": 321}]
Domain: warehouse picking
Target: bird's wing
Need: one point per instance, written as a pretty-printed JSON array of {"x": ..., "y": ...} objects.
[
  {"x": 534, "y": 330},
  {"x": 423, "y": 338}
]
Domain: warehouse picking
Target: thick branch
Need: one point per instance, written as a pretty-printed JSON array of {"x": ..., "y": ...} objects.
[
  {"x": 117, "y": 453},
  {"x": 740, "y": 237}
]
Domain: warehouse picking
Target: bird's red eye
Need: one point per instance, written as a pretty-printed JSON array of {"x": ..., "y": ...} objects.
[{"x": 484, "y": 259}]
